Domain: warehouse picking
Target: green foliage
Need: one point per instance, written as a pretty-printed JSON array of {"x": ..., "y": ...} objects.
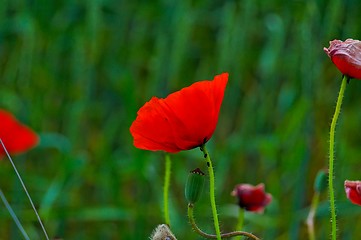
[{"x": 78, "y": 71}]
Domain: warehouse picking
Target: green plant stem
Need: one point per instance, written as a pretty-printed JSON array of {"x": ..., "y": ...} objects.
[
  {"x": 211, "y": 236},
  {"x": 311, "y": 216},
  {"x": 211, "y": 191},
  {"x": 240, "y": 220},
  {"x": 168, "y": 165},
  {"x": 331, "y": 160}
]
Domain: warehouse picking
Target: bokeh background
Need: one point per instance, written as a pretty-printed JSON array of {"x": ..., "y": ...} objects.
[{"x": 78, "y": 71}]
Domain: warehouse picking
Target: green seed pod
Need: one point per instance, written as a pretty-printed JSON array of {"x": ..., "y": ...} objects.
[
  {"x": 321, "y": 181},
  {"x": 194, "y": 185}
]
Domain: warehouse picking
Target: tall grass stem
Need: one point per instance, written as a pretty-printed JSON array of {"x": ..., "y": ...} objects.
[{"x": 25, "y": 189}]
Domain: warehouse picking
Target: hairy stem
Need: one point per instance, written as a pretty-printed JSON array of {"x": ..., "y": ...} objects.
[
  {"x": 211, "y": 191},
  {"x": 331, "y": 160},
  {"x": 168, "y": 165},
  {"x": 211, "y": 236}
]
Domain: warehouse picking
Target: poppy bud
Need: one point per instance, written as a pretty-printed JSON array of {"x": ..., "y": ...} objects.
[
  {"x": 346, "y": 56},
  {"x": 194, "y": 185},
  {"x": 353, "y": 191},
  {"x": 320, "y": 183},
  {"x": 252, "y": 198}
]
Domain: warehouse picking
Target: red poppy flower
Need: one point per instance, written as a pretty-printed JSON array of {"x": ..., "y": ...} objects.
[
  {"x": 183, "y": 120},
  {"x": 353, "y": 191},
  {"x": 346, "y": 56},
  {"x": 252, "y": 198},
  {"x": 16, "y": 137}
]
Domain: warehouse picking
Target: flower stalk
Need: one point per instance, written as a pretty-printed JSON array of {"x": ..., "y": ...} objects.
[
  {"x": 168, "y": 165},
  {"x": 240, "y": 220},
  {"x": 211, "y": 191},
  {"x": 319, "y": 186},
  {"x": 311, "y": 216},
  {"x": 331, "y": 159}
]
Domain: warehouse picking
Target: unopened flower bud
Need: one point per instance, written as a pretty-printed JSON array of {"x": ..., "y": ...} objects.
[
  {"x": 320, "y": 183},
  {"x": 252, "y": 198},
  {"x": 194, "y": 185},
  {"x": 353, "y": 191},
  {"x": 346, "y": 56}
]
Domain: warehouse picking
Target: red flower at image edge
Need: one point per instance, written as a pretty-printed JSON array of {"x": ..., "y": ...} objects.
[
  {"x": 252, "y": 198},
  {"x": 346, "y": 56},
  {"x": 183, "y": 120},
  {"x": 353, "y": 191},
  {"x": 16, "y": 137}
]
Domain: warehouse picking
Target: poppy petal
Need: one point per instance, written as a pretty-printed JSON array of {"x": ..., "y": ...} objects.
[
  {"x": 183, "y": 120},
  {"x": 144, "y": 128},
  {"x": 346, "y": 56},
  {"x": 353, "y": 191},
  {"x": 16, "y": 137},
  {"x": 252, "y": 198}
]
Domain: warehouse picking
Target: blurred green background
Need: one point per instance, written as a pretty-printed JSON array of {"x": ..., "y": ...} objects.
[{"x": 78, "y": 71}]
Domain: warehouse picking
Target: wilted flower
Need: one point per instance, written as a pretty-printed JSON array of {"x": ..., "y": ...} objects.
[
  {"x": 16, "y": 137},
  {"x": 183, "y": 120},
  {"x": 252, "y": 198},
  {"x": 162, "y": 232},
  {"x": 346, "y": 56},
  {"x": 353, "y": 191}
]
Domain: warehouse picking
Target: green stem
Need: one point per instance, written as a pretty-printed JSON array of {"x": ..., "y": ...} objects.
[
  {"x": 211, "y": 191},
  {"x": 168, "y": 164},
  {"x": 311, "y": 216},
  {"x": 331, "y": 160},
  {"x": 240, "y": 220},
  {"x": 211, "y": 236}
]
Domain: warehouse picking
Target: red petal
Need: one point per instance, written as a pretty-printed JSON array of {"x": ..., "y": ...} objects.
[
  {"x": 183, "y": 120},
  {"x": 195, "y": 110},
  {"x": 252, "y": 198},
  {"x": 16, "y": 137},
  {"x": 151, "y": 128},
  {"x": 346, "y": 56},
  {"x": 353, "y": 193}
]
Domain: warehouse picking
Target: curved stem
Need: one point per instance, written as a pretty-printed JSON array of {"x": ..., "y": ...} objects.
[
  {"x": 331, "y": 160},
  {"x": 211, "y": 191},
  {"x": 311, "y": 216},
  {"x": 211, "y": 236},
  {"x": 168, "y": 165}
]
